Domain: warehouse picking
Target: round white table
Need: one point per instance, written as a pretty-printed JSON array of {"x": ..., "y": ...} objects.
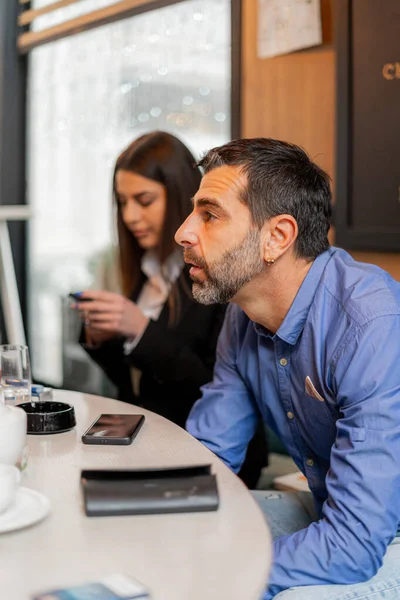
[{"x": 220, "y": 555}]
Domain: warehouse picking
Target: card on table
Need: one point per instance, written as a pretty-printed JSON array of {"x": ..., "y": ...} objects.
[{"x": 114, "y": 587}]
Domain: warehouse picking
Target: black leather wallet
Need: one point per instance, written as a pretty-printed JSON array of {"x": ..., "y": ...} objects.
[{"x": 149, "y": 491}]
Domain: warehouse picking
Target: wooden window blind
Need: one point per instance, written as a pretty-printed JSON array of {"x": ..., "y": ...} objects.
[{"x": 27, "y": 40}]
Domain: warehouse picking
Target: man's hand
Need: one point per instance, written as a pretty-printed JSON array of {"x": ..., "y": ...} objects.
[{"x": 109, "y": 315}]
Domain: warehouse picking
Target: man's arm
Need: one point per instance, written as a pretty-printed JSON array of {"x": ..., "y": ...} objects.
[
  {"x": 362, "y": 512},
  {"x": 225, "y": 417}
]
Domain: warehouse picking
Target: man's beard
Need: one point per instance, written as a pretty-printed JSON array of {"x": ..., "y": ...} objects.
[{"x": 225, "y": 277}]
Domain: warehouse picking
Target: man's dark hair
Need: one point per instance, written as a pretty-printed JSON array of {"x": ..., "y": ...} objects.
[{"x": 281, "y": 179}]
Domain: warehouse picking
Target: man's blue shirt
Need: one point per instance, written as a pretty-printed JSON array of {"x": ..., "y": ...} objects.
[{"x": 342, "y": 335}]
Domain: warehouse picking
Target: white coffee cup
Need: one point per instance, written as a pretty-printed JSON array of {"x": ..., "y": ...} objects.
[
  {"x": 13, "y": 426},
  {"x": 10, "y": 477}
]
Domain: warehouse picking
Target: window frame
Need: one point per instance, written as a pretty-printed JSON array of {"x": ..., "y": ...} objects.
[{"x": 13, "y": 85}]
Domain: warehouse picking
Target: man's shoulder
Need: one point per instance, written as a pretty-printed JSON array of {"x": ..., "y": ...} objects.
[{"x": 363, "y": 290}]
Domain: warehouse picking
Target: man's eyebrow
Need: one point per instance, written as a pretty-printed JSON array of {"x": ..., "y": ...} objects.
[{"x": 208, "y": 202}]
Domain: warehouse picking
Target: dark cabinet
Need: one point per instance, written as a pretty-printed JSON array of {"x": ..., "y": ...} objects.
[{"x": 367, "y": 210}]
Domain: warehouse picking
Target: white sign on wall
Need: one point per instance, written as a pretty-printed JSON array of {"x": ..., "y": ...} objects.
[{"x": 288, "y": 25}]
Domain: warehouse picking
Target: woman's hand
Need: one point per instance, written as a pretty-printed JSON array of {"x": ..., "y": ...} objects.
[
  {"x": 94, "y": 337},
  {"x": 109, "y": 315}
]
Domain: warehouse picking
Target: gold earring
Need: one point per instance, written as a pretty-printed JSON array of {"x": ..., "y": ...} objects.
[{"x": 270, "y": 261}]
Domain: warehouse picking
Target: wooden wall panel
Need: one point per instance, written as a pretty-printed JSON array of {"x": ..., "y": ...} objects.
[
  {"x": 292, "y": 97},
  {"x": 289, "y": 97},
  {"x": 388, "y": 261}
]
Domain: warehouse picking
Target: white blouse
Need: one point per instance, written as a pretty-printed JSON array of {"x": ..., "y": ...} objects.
[{"x": 156, "y": 289}]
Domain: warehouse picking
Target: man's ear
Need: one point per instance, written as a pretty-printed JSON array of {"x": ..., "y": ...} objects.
[{"x": 280, "y": 233}]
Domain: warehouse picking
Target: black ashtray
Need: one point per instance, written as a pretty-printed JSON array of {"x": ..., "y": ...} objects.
[{"x": 49, "y": 417}]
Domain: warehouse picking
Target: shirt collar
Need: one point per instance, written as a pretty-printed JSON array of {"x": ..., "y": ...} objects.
[{"x": 293, "y": 324}]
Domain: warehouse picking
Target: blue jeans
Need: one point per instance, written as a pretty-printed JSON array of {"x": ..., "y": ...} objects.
[{"x": 287, "y": 512}]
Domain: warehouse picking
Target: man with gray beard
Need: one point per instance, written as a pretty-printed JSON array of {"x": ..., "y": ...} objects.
[
  {"x": 221, "y": 282},
  {"x": 310, "y": 340}
]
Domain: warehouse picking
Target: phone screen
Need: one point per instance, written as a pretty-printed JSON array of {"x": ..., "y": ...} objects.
[
  {"x": 78, "y": 298},
  {"x": 114, "y": 426}
]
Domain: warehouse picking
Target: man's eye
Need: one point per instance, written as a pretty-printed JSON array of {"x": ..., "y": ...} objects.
[{"x": 208, "y": 216}]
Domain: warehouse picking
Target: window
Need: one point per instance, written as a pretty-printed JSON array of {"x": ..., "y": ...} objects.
[{"x": 89, "y": 96}]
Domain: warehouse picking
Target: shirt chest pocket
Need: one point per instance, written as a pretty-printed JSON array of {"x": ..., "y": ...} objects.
[{"x": 317, "y": 423}]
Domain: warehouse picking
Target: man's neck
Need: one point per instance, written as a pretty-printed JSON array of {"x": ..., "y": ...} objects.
[{"x": 267, "y": 299}]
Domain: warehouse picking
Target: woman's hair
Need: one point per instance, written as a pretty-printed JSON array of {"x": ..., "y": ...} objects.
[{"x": 163, "y": 158}]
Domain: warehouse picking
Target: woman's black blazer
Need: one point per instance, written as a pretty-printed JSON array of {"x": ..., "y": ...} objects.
[{"x": 174, "y": 360}]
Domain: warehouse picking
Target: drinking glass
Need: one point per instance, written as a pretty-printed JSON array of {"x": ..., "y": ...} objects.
[{"x": 15, "y": 374}]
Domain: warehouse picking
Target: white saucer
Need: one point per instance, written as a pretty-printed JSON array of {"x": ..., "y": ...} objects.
[{"x": 29, "y": 508}]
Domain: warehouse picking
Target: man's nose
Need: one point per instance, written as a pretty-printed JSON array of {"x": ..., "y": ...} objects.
[{"x": 185, "y": 236}]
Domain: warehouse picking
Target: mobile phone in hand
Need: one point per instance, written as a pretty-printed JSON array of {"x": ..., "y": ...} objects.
[{"x": 78, "y": 298}]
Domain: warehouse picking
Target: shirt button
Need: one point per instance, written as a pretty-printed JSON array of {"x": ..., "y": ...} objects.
[
  {"x": 290, "y": 415},
  {"x": 283, "y": 362},
  {"x": 309, "y": 462}
]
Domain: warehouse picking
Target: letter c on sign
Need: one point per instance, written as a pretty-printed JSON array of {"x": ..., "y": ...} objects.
[{"x": 389, "y": 71}]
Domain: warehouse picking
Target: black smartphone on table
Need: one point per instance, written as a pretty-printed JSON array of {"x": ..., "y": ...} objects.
[{"x": 113, "y": 429}]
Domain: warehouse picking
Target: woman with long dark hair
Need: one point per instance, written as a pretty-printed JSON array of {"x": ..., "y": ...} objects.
[{"x": 154, "y": 341}]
